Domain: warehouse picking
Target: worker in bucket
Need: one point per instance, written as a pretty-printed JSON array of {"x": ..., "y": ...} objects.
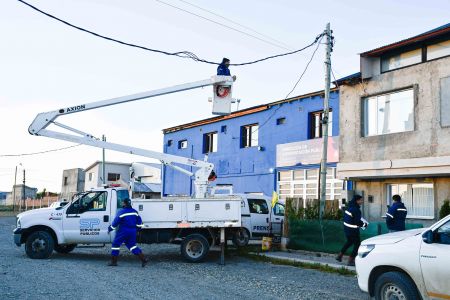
[
  {"x": 223, "y": 68},
  {"x": 352, "y": 224},
  {"x": 127, "y": 222}
]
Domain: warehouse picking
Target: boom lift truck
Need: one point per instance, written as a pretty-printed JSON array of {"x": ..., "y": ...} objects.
[{"x": 197, "y": 222}]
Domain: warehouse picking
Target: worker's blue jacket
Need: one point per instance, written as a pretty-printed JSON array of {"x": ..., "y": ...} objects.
[
  {"x": 396, "y": 215},
  {"x": 223, "y": 70},
  {"x": 352, "y": 219},
  {"x": 127, "y": 219}
]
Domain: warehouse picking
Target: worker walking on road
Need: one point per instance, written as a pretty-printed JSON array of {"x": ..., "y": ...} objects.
[
  {"x": 352, "y": 223},
  {"x": 396, "y": 215},
  {"x": 127, "y": 222}
]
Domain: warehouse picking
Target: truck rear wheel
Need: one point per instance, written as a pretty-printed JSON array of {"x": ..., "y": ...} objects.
[
  {"x": 395, "y": 285},
  {"x": 39, "y": 245},
  {"x": 194, "y": 247},
  {"x": 64, "y": 249},
  {"x": 241, "y": 237}
]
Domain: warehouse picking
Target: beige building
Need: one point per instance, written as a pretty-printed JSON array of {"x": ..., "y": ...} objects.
[{"x": 395, "y": 126}]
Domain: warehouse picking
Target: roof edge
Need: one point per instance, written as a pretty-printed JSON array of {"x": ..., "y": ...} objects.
[{"x": 243, "y": 112}]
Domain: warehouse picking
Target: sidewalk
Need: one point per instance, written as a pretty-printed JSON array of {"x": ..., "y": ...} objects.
[{"x": 324, "y": 259}]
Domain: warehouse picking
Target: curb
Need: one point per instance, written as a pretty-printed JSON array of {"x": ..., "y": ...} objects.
[{"x": 292, "y": 259}]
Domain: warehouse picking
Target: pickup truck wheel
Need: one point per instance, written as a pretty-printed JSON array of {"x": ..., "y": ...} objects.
[
  {"x": 241, "y": 237},
  {"x": 194, "y": 248},
  {"x": 395, "y": 286},
  {"x": 39, "y": 245},
  {"x": 64, "y": 249}
]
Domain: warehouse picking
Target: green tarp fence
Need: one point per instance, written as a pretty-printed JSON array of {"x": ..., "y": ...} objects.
[{"x": 307, "y": 234}]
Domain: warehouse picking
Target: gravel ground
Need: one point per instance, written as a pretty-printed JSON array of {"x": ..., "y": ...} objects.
[{"x": 83, "y": 274}]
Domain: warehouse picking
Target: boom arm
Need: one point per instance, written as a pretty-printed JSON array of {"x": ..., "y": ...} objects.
[{"x": 43, "y": 120}]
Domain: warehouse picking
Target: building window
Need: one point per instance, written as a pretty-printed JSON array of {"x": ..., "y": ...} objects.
[
  {"x": 90, "y": 176},
  {"x": 304, "y": 184},
  {"x": 438, "y": 50},
  {"x": 281, "y": 121},
  {"x": 249, "y": 135},
  {"x": 183, "y": 144},
  {"x": 113, "y": 176},
  {"x": 315, "y": 124},
  {"x": 388, "y": 113},
  {"x": 65, "y": 180},
  {"x": 401, "y": 60},
  {"x": 169, "y": 143},
  {"x": 417, "y": 197},
  {"x": 210, "y": 142},
  {"x": 223, "y": 129}
]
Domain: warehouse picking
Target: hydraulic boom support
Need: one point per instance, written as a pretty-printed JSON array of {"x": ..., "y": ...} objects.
[{"x": 43, "y": 120}]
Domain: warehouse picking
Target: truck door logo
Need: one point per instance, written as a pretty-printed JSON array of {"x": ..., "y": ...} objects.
[{"x": 89, "y": 226}]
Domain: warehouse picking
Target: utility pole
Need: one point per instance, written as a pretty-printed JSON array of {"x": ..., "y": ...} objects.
[
  {"x": 14, "y": 190},
  {"x": 23, "y": 189},
  {"x": 326, "y": 109},
  {"x": 103, "y": 161}
]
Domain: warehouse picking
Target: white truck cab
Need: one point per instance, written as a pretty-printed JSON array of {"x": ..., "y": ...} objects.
[
  {"x": 412, "y": 264},
  {"x": 258, "y": 219},
  {"x": 196, "y": 224}
]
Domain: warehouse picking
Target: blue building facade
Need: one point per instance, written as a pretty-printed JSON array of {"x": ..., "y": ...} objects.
[{"x": 243, "y": 146}]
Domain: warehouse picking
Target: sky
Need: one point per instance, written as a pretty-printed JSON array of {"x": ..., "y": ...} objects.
[{"x": 46, "y": 65}]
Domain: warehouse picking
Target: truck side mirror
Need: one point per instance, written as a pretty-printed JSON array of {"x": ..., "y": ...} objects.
[{"x": 427, "y": 236}]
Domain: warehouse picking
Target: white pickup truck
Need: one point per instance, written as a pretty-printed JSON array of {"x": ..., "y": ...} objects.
[
  {"x": 409, "y": 265},
  {"x": 196, "y": 224}
]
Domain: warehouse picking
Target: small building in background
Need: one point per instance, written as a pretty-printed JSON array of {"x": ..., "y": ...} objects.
[
  {"x": 19, "y": 193},
  {"x": 147, "y": 177},
  {"x": 115, "y": 173},
  {"x": 72, "y": 183}
]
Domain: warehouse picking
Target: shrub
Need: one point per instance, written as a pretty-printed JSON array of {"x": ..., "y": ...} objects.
[{"x": 445, "y": 209}]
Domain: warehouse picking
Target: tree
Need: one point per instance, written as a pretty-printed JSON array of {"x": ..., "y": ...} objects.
[{"x": 41, "y": 195}]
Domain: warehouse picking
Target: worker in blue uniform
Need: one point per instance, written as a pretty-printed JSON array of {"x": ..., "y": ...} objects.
[
  {"x": 352, "y": 224},
  {"x": 223, "y": 68},
  {"x": 396, "y": 215},
  {"x": 127, "y": 222}
]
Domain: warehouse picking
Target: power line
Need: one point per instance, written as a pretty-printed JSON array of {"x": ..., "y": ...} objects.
[
  {"x": 221, "y": 24},
  {"x": 40, "y": 152},
  {"x": 181, "y": 54},
  {"x": 299, "y": 79},
  {"x": 239, "y": 24}
]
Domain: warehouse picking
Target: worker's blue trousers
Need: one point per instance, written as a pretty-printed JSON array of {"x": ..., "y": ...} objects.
[{"x": 127, "y": 236}]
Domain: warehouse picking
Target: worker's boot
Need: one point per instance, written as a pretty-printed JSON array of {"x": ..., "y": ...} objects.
[
  {"x": 351, "y": 261},
  {"x": 113, "y": 262},
  {"x": 339, "y": 257},
  {"x": 143, "y": 259}
]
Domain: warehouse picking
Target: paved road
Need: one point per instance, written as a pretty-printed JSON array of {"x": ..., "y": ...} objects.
[{"x": 83, "y": 274}]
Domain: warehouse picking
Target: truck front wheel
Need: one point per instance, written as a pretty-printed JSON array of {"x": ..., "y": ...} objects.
[
  {"x": 194, "y": 247},
  {"x": 395, "y": 285},
  {"x": 241, "y": 237},
  {"x": 39, "y": 245},
  {"x": 64, "y": 249}
]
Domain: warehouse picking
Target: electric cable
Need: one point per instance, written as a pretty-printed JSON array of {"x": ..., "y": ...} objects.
[
  {"x": 181, "y": 54},
  {"x": 40, "y": 152},
  {"x": 280, "y": 43},
  {"x": 287, "y": 96}
]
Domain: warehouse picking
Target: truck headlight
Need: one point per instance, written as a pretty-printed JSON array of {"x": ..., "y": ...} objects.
[
  {"x": 18, "y": 223},
  {"x": 364, "y": 250}
]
